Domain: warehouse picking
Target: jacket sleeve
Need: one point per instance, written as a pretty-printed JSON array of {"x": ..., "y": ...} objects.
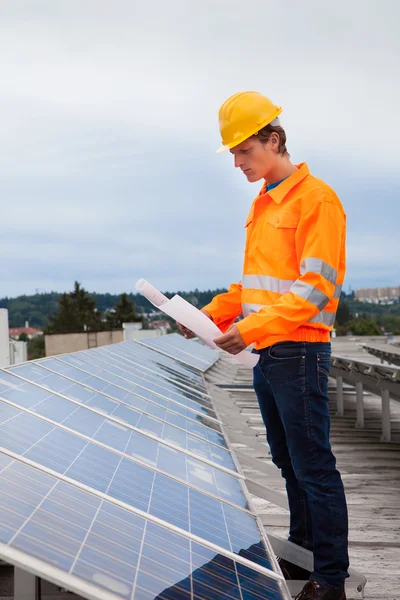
[
  {"x": 319, "y": 240},
  {"x": 224, "y": 308}
]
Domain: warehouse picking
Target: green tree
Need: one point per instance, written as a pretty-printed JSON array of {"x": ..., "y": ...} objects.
[
  {"x": 343, "y": 314},
  {"x": 23, "y": 338},
  {"x": 362, "y": 326},
  {"x": 123, "y": 312},
  {"x": 36, "y": 348},
  {"x": 77, "y": 312},
  {"x": 391, "y": 323}
]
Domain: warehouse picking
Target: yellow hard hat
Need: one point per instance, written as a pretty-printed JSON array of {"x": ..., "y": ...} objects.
[{"x": 243, "y": 115}]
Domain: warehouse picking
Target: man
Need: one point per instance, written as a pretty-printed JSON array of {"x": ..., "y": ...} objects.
[{"x": 294, "y": 267}]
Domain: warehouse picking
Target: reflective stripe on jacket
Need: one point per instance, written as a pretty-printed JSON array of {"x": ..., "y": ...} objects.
[{"x": 294, "y": 265}]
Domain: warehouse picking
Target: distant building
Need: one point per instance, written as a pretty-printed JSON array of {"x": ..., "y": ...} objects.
[
  {"x": 161, "y": 325},
  {"x": 135, "y": 332},
  {"x": 30, "y": 332},
  {"x": 379, "y": 295}
]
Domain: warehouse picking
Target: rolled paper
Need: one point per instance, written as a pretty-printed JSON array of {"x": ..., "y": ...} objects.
[
  {"x": 192, "y": 318},
  {"x": 152, "y": 294}
]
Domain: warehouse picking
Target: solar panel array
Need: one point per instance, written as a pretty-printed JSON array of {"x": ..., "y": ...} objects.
[
  {"x": 117, "y": 480},
  {"x": 191, "y": 352}
]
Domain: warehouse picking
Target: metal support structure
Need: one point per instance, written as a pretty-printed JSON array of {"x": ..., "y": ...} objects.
[
  {"x": 385, "y": 352},
  {"x": 386, "y": 428},
  {"x": 355, "y": 584},
  {"x": 270, "y": 494},
  {"x": 360, "y": 404},
  {"x": 339, "y": 397},
  {"x": 25, "y": 585},
  {"x": 275, "y": 520}
]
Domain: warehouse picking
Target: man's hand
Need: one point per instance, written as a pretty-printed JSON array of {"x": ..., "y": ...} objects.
[
  {"x": 186, "y": 332},
  {"x": 231, "y": 341}
]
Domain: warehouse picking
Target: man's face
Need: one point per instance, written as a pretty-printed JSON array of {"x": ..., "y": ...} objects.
[{"x": 254, "y": 158}]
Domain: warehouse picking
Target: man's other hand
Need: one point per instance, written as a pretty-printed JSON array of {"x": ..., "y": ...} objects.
[
  {"x": 186, "y": 332},
  {"x": 231, "y": 341}
]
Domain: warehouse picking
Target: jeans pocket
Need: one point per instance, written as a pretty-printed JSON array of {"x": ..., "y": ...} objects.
[
  {"x": 286, "y": 351},
  {"x": 323, "y": 367}
]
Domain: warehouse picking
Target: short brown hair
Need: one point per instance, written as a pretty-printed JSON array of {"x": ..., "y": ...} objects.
[{"x": 265, "y": 133}]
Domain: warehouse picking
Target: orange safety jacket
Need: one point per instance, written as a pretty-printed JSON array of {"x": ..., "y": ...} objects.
[{"x": 294, "y": 265}]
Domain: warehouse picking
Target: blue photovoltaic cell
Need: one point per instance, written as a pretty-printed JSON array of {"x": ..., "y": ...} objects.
[
  {"x": 142, "y": 402},
  {"x": 177, "y": 345},
  {"x": 114, "y": 386},
  {"x": 121, "y": 367},
  {"x": 159, "y": 345},
  {"x": 109, "y": 356},
  {"x": 57, "y": 449},
  {"x": 193, "y": 347},
  {"x": 160, "y": 363},
  {"x": 114, "y": 549},
  {"x": 125, "y": 409},
  {"x": 59, "y": 409},
  {"x": 131, "y": 483},
  {"x": 198, "y": 404},
  {"x": 138, "y": 384}
]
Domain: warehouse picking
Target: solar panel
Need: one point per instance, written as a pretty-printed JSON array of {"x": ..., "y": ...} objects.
[
  {"x": 192, "y": 347},
  {"x": 140, "y": 382},
  {"x": 98, "y": 548},
  {"x": 98, "y": 457},
  {"x": 155, "y": 455},
  {"x": 73, "y": 378},
  {"x": 205, "y": 443},
  {"x": 121, "y": 389},
  {"x": 108, "y": 357},
  {"x": 161, "y": 344},
  {"x": 160, "y": 362},
  {"x": 100, "y": 426},
  {"x": 154, "y": 365}
]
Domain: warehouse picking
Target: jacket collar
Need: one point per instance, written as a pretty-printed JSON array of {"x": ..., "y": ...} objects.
[{"x": 281, "y": 191}]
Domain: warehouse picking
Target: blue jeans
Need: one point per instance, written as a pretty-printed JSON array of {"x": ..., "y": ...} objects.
[{"x": 291, "y": 383}]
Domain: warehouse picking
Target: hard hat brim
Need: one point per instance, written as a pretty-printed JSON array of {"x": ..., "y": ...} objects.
[{"x": 272, "y": 119}]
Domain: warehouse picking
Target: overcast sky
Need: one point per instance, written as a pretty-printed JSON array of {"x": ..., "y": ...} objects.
[{"x": 108, "y": 132}]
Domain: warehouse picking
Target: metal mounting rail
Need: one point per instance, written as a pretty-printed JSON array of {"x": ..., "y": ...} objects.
[
  {"x": 387, "y": 352},
  {"x": 377, "y": 379}
]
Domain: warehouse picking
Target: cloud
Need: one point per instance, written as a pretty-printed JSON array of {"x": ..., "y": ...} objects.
[{"x": 109, "y": 128}]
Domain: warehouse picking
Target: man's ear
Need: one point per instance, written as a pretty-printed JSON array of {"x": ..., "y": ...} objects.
[{"x": 274, "y": 140}]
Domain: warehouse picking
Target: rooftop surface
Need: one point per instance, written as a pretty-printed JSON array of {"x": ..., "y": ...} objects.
[{"x": 370, "y": 469}]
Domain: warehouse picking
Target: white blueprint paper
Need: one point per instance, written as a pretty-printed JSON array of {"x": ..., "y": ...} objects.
[{"x": 192, "y": 318}]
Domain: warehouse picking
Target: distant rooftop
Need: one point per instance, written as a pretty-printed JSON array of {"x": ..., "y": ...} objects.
[{"x": 17, "y": 331}]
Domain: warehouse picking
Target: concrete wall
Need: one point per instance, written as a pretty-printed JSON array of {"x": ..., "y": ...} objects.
[
  {"x": 72, "y": 342},
  {"x": 18, "y": 352},
  {"x": 141, "y": 334},
  {"x": 4, "y": 343}
]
